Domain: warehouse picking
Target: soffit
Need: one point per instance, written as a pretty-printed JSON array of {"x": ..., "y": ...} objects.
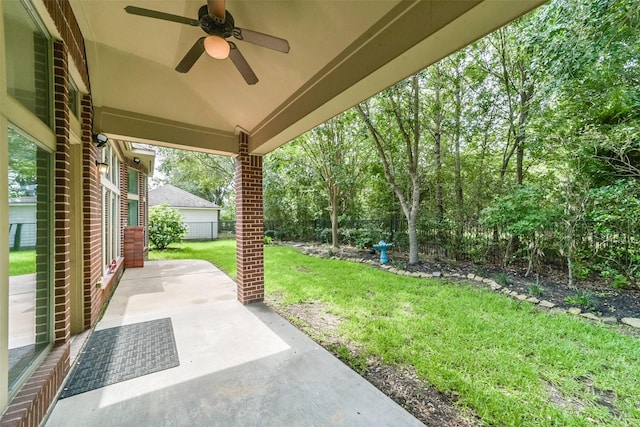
[{"x": 341, "y": 53}]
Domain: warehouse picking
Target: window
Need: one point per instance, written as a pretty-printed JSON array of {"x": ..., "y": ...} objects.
[
  {"x": 110, "y": 208},
  {"x": 132, "y": 213},
  {"x": 132, "y": 197},
  {"x": 28, "y": 52},
  {"x": 73, "y": 98},
  {"x": 133, "y": 181},
  {"x": 30, "y": 253}
]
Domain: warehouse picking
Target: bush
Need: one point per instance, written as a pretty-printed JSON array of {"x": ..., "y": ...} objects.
[
  {"x": 582, "y": 299},
  {"x": 165, "y": 226}
]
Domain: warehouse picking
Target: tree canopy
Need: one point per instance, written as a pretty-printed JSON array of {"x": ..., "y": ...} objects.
[{"x": 532, "y": 132}]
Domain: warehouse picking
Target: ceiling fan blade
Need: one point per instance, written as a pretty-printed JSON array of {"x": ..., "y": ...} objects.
[
  {"x": 261, "y": 39},
  {"x": 242, "y": 65},
  {"x": 161, "y": 15},
  {"x": 191, "y": 57},
  {"x": 216, "y": 8}
]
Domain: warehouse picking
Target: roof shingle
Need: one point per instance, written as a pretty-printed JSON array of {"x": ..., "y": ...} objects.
[{"x": 178, "y": 198}]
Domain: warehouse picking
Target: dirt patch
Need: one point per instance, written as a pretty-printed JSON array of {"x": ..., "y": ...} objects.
[
  {"x": 561, "y": 401},
  {"x": 425, "y": 402},
  {"x": 402, "y": 385}
]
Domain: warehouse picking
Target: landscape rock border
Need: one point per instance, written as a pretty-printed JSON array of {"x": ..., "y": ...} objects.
[{"x": 488, "y": 283}]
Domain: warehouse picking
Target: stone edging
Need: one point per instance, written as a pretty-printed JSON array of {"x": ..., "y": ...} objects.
[{"x": 494, "y": 286}]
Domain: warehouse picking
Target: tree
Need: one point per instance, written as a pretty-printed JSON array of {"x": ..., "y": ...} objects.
[
  {"x": 524, "y": 213},
  {"x": 165, "y": 226},
  {"x": 293, "y": 196},
  {"x": 205, "y": 175},
  {"x": 332, "y": 151},
  {"x": 22, "y": 165},
  {"x": 401, "y": 162}
]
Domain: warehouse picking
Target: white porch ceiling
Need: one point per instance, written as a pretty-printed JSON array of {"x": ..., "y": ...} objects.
[{"x": 342, "y": 52}]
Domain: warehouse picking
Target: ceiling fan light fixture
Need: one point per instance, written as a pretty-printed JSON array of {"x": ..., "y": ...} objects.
[{"x": 217, "y": 47}]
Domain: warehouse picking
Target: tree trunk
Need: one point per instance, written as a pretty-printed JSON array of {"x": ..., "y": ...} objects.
[
  {"x": 413, "y": 237},
  {"x": 335, "y": 238},
  {"x": 438, "y": 158}
]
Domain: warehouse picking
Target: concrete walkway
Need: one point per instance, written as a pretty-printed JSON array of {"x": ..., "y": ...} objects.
[{"x": 239, "y": 365}]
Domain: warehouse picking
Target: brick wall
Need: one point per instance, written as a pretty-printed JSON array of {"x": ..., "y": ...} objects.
[
  {"x": 35, "y": 397},
  {"x": 134, "y": 247},
  {"x": 91, "y": 218},
  {"x": 31, "y": 403},
  {"x": 124, "y": 207},
  {"x": 62, "y": 244},
  {"x": 66, "y": 23},
  {"x": 249, "y": 225},
  {"x": 43, "y": 247}
]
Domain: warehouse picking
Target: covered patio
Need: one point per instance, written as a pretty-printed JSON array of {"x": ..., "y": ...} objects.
[
  {"x": 238, "y": 365},
  {"x": 340, "y": 54}
]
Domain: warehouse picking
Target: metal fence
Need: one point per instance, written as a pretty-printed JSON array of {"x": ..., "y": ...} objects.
[
  {"x": 22, "y": 236},
  {"x": 614, "y": 249},
  {"x": 210, "y": 230}
]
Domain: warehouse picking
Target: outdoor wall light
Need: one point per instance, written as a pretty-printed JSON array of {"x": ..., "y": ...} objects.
[
  {"x": 217, "y": 47},
  {"x": 136, "y": 160},
  {"x": 103, "y": 168},
  {"x": 100, "y": 139}
]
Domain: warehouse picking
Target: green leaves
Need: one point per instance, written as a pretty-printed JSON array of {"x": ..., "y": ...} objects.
[
  {"x": 165, "y": 226},
  {"x": 205, "y": 175},
  {"x": 523, "y": 211}
]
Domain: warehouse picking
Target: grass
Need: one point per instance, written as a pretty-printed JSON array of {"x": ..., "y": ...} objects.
[
  {"x": 509, "y": 362},
  {"x": 22, "y": 262},
  {"x": 222, "y": 253}
]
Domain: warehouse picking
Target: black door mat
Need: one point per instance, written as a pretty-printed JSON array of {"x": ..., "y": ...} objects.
[{"x": 122, "y": 353}]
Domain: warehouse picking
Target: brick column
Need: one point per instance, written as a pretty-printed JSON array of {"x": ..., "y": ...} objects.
[
  {"x": 62, "y": 292},
  {"x": 249, "y": 224},
  {"x": 133, "y": 247},
  {"x": 91, "y": 218}
]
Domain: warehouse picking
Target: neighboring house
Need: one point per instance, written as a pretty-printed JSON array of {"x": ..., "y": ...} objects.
[
  {"x": 22, "y": 223},
  {"x": 200, "y": 215}
]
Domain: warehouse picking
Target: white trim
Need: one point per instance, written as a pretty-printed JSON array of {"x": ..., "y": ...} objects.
[
  {"x": 4, "y": 254},
  {"x": 16, "y": 115},
  {"x": 23, "y": 119},
  {"x": 105, "y": 182}
]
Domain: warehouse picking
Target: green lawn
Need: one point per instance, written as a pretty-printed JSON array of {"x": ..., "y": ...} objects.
[
  {"x": 222, "y": 253},
  {"x": 22, "y": 262},
  {"x": 510, "y": 362}
]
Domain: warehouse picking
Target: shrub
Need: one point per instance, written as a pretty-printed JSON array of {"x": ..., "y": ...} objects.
[
  {"x": 270, "y": 233},
  {"x": 580, "y": 270},
  {"x": 619, "y": 282},
  {"x": 502, "y": 279},
  {"x": 536, "y": 290},
  {"x": 267, "y": 240},
  {"x": 582, "y": 299},
  {"x": 165, "y": 226}
]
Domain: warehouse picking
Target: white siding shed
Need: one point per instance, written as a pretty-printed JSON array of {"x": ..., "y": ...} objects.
[{"x": 200, "y": 215}]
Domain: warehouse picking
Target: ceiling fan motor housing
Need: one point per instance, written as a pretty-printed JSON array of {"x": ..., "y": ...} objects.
[{"x": 212, "y": 25}]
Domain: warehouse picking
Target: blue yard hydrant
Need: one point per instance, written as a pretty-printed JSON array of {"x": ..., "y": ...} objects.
[{"x": 382, "y": 247}]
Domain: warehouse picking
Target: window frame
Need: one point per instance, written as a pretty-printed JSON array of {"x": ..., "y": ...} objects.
[
  {"x": 14, "y": 113},
  {"x": 42, "y": 353},
  {"x": 110, "y": 208}
]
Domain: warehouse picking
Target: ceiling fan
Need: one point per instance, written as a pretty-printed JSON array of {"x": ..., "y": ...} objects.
[{"x": 218, "y": 23}]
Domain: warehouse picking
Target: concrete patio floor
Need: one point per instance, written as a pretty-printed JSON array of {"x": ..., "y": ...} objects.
[{"x": 239, "y": 365}]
